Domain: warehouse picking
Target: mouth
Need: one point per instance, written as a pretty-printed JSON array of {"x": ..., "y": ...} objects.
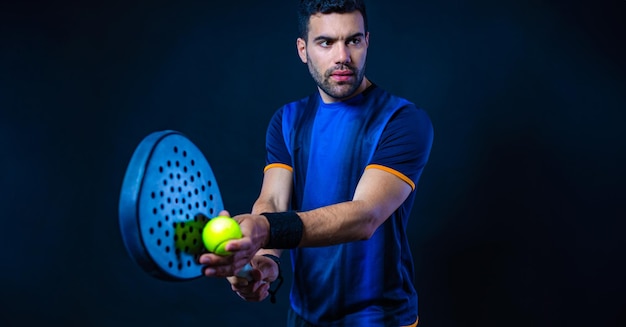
[{"x": 342, "y": 75}]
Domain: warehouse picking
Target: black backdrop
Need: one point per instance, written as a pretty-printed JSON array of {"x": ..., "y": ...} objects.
[{"x": 519, "y": 218}]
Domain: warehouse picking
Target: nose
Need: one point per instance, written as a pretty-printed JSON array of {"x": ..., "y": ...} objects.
[{"x": 343, "y": 53}]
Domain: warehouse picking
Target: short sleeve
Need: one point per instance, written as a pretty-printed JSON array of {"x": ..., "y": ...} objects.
[
  {"x": 404, "y": 146},
  {"x": 276, "y": 148}
]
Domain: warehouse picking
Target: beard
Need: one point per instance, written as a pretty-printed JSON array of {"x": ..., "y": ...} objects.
[{"x": 335, "y": 89}]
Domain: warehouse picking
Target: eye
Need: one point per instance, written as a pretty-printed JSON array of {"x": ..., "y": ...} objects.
[
  {"x": 355, "y": 41},
  {"x": 324, "y": 43}
]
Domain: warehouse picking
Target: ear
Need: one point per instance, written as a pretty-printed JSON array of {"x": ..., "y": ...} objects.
[
  {"x": 367, "y": 38},
  {"x": 301, "y": 46}
]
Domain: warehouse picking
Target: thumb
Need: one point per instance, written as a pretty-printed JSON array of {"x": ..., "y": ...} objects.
[
  {"x": 256, "y": 274},
  {"x": 260, "y": 280},
  {"x": 268, "y": 269},
  {"x": 224, "y": 213}
]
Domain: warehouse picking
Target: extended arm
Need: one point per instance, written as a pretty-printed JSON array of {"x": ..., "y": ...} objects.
[
  {"x": 402, "y": 153},
  {"x": 377, "y": 196},
  {"x": 274, "y": 197}
]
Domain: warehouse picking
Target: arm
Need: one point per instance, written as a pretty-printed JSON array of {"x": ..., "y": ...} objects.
[
  {"x": 377, "y": 195},
  {"x": 403, "y": 151},
  {"x": 394, "y": 170},
  {"x": 275, "y": 195}
]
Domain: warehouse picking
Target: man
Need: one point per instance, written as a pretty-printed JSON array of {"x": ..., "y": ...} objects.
[{"x": 342, "y": 168}]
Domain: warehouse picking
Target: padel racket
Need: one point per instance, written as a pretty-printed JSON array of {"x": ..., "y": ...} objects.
[{"x": 168, "y": 194}]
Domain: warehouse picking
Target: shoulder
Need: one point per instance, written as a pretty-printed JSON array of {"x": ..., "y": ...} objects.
[
  {"x": 380, "y": 97},
  {"x": 406, "y": 119},
  {"x": 400, "y": 111},
  {"x": 411, "y": 115},
  {"x": 404, "y": 107}
]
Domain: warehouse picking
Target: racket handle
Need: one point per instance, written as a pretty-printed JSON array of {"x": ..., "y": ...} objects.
[{"x": 245, "y": 272}]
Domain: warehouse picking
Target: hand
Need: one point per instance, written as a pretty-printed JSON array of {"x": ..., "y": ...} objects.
[
  {"x": 265, "y": 271},
  {"x": 255, "y": 231}
]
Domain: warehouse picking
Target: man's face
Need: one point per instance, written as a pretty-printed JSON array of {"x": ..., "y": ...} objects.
[{"x": 335, "y": 52}]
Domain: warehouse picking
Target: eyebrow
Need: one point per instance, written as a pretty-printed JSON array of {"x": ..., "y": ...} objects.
[{"x": 328, "y": 38}]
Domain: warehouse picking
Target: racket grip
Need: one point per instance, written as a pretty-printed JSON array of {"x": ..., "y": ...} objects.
[{"x": 245, "y": 272}]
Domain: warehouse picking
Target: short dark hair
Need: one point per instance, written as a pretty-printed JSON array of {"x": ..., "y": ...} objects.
[{"x": 309, "y": 8}]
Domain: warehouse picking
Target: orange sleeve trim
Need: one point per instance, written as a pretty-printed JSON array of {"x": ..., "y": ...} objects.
[
  {"x": 394, "y": 172},
  {"x": 277, "y": 165}
]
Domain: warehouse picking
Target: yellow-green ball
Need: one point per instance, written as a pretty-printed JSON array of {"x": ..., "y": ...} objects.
[{"x": 218, "y": 231}]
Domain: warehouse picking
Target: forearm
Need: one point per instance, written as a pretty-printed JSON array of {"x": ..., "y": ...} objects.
[
  {"x": 376, "y": 197},
  {"x": 339, "y": 223},
  {"x": 267, "y": 205}
]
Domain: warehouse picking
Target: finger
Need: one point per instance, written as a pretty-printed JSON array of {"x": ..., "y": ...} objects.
[
  {"x": 259, "y": 294},
  {"x": 256, "y": 274},
  {"x": 242, "y": 244},
  {"x": 242, "y": 290},
  {"x": 267, "y": 268},
  {"x": 224, "y": 213},
  {"x": 255, "y": 297},
  {"x": 217, "y": 266},
  {"x": 259, "y": 286},
  {"x": 209, "y": 272},
  {"x": 237, "y": 282},
  {"x": 215, "y": 260},
  {"x": 219, "y": 271},
  {"x": 247, "y": 290}
]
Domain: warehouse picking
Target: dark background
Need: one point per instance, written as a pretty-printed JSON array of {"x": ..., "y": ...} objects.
[{"x": 519, "y": 218}]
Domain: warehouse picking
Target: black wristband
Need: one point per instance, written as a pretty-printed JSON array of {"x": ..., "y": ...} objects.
[
  {"x": 279, "y": 279},
  {"x": 286, "y": 229}
]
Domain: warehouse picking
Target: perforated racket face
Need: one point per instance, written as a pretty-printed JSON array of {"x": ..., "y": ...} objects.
[{"x": 168, "y": 192}]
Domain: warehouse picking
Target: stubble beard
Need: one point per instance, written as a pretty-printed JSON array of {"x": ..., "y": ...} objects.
[{"x": 337, "y": 90}]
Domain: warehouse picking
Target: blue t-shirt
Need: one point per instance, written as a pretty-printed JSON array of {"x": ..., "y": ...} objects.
[{"x": 328, "y": 147}]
